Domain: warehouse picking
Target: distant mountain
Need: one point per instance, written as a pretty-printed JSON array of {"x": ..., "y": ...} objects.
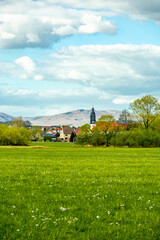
[
  {"x": 32, "y": 118},
  {"x": 5, "y": 117},
  {"x": 73, "y": 118}
]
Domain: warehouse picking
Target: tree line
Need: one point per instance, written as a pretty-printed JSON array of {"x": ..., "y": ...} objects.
[{"x": 138, "y": 128}]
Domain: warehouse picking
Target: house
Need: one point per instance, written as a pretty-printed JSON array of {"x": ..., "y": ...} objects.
[
  {"x": 50, "y": 133},
  {"x": 66, "y": 134}
]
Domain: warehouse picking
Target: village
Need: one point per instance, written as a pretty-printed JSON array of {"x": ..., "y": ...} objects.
[{"x": 68, "y": 134}]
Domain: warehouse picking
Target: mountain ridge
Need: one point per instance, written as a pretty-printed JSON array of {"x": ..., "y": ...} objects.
[
  {"x": 72, "y": 118},
  {"x": 5, "y": 117}
]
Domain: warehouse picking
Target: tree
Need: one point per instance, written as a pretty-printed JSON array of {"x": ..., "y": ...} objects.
[
  {"x": 98, "y": 138},
  {"x": 146, "y": 110},
  {"x": 156, "y": 125},
  {"x": 85, "y": 135},
  {"x": 17, "y": 122},
  {"x": 106, "y": 124},
  {"x": 36, "y": 134},
  {"x": 14, "y": 136},
  {"x": 73, "y": 135},
  {"x": 86, "y": 128},
  {"x": 125, "y": 117},
  {"x": 47, "y": 138},
  {"x": 57, "y": 135}
]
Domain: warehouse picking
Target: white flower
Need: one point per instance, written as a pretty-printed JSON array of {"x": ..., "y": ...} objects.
[
  {"x": 97, "y": 216},
  {"x": 63, "y": 209}
]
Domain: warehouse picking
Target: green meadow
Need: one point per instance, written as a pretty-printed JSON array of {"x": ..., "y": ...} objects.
[{"x": 60, "y": 191}]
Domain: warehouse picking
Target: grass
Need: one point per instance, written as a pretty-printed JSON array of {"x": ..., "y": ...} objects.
[{"x": 57, "y": 191}]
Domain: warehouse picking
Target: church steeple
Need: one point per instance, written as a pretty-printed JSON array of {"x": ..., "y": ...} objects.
[{"x": 92, "y": 117}]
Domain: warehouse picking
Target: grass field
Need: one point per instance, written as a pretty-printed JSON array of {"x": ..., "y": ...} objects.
[{"x": 63, "y": 192}]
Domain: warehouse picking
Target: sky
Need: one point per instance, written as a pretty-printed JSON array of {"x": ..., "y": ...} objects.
[{"x": 59, "y": 56}]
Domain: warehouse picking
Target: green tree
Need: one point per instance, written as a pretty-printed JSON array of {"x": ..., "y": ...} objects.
[
  {"x": 36, "y": 134},
  {"x": 156, "y": 124},
  {"x": 47, "y": 138},
  {"x": 72, "y": 138},
  {"x": 57, "y": 136},
  {"x": 98, "y": 138},
  {"x": 86, "y": 128},
  {"x": 146, "y": 110},
  {"x": 107, "y": 118},
  {"x": 85, "y": 135},
  {"x": 14, "y": 136},
  {"x": 17, "y": 122}
]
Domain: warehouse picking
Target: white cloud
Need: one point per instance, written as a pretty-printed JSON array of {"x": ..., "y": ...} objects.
[
  {"x": 26, "y": 63},
  {"x": 38, "y": 77},
  {"x": 144, "y": 10},
  {"x": 6, "y": 35},
  {"x": 28, "y": 102},
  {"x": 40, "y": 24},
  {"x": 117, "y": 69},
  {"x": 123, "y": 100},
  {"x": 93, "y": 24}
]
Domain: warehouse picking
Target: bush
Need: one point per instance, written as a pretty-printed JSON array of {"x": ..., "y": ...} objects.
[
  {"x": 47, "y": 138},
  {"x": 98, "y": 138},
  {"x": 36, "y": 134},
  {"x": 95, "y": 138},
  {"x": 84, "y": 138},
  {"x": 14, "y": 136},
  {"x": 137, "y": 138}
]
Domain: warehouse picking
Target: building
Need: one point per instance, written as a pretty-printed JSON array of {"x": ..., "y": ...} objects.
[
  {"x": 66, "y": 134},
  {"x": 92, "y": 117},
  {"x": 50, "y": 133}
]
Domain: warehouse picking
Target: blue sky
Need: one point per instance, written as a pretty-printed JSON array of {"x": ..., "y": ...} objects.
[{"x": 58, "y": 56}]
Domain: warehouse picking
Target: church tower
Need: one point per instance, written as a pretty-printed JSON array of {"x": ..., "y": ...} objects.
[{"x": 92, "y": 117}]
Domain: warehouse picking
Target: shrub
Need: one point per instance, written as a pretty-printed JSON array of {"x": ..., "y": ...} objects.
[
  {"x": 47, "y": 138},
  {"x": 98, "y": 138},
  {"x": 84, "y": 138},
  {"x": 137, "y": 138},
  {"x": 14, "y": 136}
]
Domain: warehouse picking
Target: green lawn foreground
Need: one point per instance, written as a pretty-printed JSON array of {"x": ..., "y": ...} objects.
[{"x": 62, "y": 191}]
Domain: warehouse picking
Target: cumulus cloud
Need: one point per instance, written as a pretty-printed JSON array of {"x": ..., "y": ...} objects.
[
  {"x": 123, "y": 100},
  {"x": 38, "y": 77},
  {"x": 26, "y": 63},
  {"x": 117, "y": 69},
  {"x": 126, "y": 69},
  {"x": 40, "y": 23},
  {"x": 43, "y": 23},
  {"x": 144, "y": 10}
]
